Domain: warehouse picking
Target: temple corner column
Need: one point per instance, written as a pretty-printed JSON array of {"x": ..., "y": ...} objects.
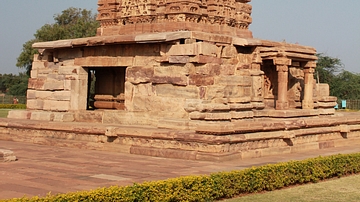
[
  {"x": 282, "y": 67},
  {"x": 309, "y": 69}
]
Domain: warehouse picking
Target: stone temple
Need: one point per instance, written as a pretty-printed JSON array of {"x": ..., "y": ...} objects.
[{"x": 181, "y": 79}]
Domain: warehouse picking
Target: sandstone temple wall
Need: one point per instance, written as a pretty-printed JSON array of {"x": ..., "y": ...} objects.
[{"x": 181, "y": 83}]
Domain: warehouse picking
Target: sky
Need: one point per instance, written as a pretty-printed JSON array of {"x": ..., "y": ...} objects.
[{"x": 330, "y": 26}]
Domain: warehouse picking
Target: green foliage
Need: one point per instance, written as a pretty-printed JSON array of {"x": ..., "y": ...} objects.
[
  {"x": 346, "y": 85},
  {"x": 15, "y": 85},
  {"x": 221, "y": 185},
  {"x": 12, "y": 106},
  {"x": 327, "y": 67},
  {"x": 71, "y": 23},
  {"x": 343, "y": 84}
]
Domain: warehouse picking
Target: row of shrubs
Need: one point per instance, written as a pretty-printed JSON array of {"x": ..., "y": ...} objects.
[
  {"x": 223, "y": 184},
  {"x": 12, "y": 106}
]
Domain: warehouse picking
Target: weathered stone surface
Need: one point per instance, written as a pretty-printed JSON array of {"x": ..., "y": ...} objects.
[
  {"x": 34, "y": 104},
  {"x": 54, "y": 85},
  {"x": 138, "y": 75},
  {"x": 58, "y": 106},
  {"x": 42, "y": 116},
  {"x": 64, "y": 117},
  {"x": 7, "y": 155},
  {"x": 168, "y": 90},
  {"x": 36, "y": 83},
  {"x": 201, "y": 80},
  {"x": 179, "y": 59},
  {"x": 200, "y": 48},
  {"x": 104, "y": 61},
  {"x": 19, "y": 114}
]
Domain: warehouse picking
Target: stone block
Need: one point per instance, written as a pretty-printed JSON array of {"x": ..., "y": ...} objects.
[
  {"x": 230, "y": 92},
  {"x": 64, "y": 117},
  {"x": 227, "y": 69},
  {"x": 39, "y": 65},
  {"x": 42, "y": 116},
  {"x": 241, "y": 114},
  {"x": 62, "y": 95},
  {"x": 204, "y": 59},
  {"x": 19, "y": 114},
  {"x": 53, "y": 105},
  {"x": 70, "y": 53},
  {"x": 229, "y": 51},
  {"x": 78, "y": 95},
  {"x": 168, "y": 90},
  {"x": 36, "y": 83},
  {"x": 206, "y": 69},
  {"x": 66, "y": 62},
  {"x": 145, "y": 60},
  {"x": 139, "y": 74},
  {"x": 31, "y": 94},
  {"x": 201, "y": 80},
  {"x": 234, "y": 80},
  {"x": 34, "y": 73},
  {"x": 55, "y": 77},
  {"x": 35, "y": 104},
  {"x": 44, "y": 95},
  {"x": 89, "y": 116},
  {"x": 179, "y": 59},
  {"x": 322, "y": 89},
  {"x": 72, "y": 70},
  {"x": 171, "y": 70},
  {"x": 7, "y": 155},
  {"x": 54, "y": 85},
  {"x": 181, "y": 81},
  {"x": 104, "y": 61},
  {"x": 200, "y": 48}
]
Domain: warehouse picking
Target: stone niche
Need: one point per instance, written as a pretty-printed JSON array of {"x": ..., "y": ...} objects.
[{"x": 182, "y": 79}]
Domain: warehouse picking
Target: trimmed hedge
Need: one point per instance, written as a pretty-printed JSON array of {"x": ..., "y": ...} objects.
[
  {"x": 223, "y": 184},
  {"x": 12, "y": 106}
]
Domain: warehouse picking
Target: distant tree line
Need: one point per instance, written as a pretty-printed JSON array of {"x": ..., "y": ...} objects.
[
  {"x": 16, "y": 85},
  {"x": 343, "y": 84}
]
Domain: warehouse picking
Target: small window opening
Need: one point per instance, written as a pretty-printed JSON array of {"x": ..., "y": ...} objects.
[{"x": 106, "y": 88}]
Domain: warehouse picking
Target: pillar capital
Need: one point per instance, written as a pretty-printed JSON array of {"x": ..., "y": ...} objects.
[
  {"x": 282, "y": 61},
  {"x": 310, "y": 64},
  {"x": 282, "y": 68},
  {"x": 309, "y": 70}
]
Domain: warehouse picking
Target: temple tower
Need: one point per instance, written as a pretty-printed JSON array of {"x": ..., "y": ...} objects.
[{"x": 230, "y": 17}]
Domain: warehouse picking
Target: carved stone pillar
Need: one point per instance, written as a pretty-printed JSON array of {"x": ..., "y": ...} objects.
[
  {"x": 309, "y": 70},
  {"x": 282, "y": 67}
]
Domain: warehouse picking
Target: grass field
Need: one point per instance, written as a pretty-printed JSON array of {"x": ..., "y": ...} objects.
[
  {"x": 4, "y": 113},
  {"x": 343, "y": 189}
]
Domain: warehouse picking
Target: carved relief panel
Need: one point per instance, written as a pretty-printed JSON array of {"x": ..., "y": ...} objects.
[
  {"x": 107, "y": 12},
  {"x": 231, "y": 13}
]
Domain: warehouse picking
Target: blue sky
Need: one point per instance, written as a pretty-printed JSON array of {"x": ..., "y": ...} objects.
[{"x": 331, "y": 26}]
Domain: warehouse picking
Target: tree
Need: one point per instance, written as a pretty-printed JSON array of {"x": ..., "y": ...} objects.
[
  {"x": 346, "y": 86},
  {"x": 327, "y": 67},
  {"x": 343, "y": 84},
  {"x": 71, "y": 23},
  {"x": 14, "y": 84}
]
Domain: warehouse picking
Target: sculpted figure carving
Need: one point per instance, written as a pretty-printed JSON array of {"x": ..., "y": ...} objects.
[{"x": 232, "y": 13}]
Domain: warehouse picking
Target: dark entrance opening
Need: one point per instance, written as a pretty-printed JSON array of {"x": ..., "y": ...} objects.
[{"x": 106, "y": 88}]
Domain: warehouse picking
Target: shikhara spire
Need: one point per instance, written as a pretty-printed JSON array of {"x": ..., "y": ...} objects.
[{"x": 231, "y": 17}]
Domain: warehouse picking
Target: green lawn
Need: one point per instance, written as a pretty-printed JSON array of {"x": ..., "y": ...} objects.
[
  {"x": 343, "y": 189},
  {"x": 4, "y": 113}
]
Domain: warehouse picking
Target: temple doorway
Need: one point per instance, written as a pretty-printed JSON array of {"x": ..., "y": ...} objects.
[{"x": 106, "y": 88}]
